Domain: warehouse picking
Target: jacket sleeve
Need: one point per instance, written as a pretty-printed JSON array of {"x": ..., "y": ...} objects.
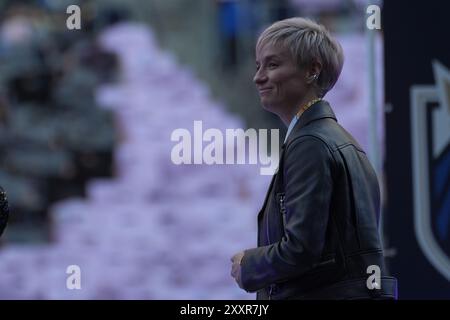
[{"x": 308, "y": 188}]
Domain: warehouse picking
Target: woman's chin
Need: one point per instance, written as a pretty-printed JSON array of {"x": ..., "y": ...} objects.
[{"x": 266, "y": 105}]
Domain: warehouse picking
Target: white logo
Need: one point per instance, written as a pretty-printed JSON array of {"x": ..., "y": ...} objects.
[
  {"x": 74, "y": 20},
  {"x": 374, "y": 20},
  {"x": 74, "y": 280},
  {"x": 213, "y": 153},
  {"x": 421, "y": 96},
  {"x": 374, "y": 280}
]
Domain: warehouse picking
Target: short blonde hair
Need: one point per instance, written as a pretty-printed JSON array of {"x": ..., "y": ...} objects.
[{"x": 308, "y": 41}]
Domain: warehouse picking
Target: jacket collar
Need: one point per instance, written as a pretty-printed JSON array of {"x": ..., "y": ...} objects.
[{"x": 319, "y": 110}]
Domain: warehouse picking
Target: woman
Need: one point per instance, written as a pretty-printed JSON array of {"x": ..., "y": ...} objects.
[{"x": 318, "y": 228}]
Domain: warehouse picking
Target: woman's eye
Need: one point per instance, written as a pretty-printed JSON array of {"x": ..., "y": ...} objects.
[{"x": 272, "y": 65}]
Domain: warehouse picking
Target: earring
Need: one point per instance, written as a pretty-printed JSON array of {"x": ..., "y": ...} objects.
[{"x": 313, "y": 78}]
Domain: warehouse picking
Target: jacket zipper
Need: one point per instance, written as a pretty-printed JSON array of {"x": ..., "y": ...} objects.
[{"x": 283, "y": 212}]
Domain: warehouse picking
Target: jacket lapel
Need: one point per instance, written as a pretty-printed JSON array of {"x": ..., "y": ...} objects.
[
  {"x": 267, "y": 196},
  {"x": 269, "y": 190}
]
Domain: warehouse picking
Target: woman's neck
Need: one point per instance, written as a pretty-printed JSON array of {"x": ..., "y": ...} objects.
[{"x": 289, "y": 114}]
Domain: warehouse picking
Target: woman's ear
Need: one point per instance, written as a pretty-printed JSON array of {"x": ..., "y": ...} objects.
[{"x": 313, "y": 71}]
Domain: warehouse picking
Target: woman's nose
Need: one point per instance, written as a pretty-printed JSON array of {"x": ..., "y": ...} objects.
[{"x": 260, "y": 77}]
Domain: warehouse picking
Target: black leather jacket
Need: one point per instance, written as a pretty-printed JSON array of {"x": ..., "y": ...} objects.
[{"x": 318, "y": 227}]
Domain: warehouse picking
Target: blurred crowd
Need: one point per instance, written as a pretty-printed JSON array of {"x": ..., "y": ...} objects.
[
  {"x": 149, "y": 231},
  {"x": 53, "y": 136}
]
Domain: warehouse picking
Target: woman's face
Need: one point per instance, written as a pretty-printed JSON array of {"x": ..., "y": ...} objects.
[{"x": 281, "y": 84}]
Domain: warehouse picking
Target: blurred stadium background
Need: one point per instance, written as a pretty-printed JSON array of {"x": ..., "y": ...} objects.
[{"x": 85, "y": 123}]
